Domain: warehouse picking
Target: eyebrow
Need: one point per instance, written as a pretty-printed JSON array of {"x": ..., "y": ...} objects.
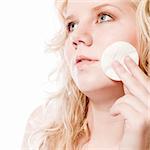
[{"x": 94, "y": 10}]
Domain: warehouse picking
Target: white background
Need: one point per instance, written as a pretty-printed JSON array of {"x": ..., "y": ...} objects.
[{"x": 26, "y": 27}]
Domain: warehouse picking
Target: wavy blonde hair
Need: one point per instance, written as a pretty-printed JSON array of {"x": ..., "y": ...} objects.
[{"x": 63, "y": 131}]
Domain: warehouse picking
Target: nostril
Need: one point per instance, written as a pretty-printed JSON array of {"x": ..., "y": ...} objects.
[{"x": 75, "y": 45}]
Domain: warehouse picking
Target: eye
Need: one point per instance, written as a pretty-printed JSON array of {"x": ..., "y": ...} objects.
[
  {"x": 70, "y": 25},
  {"x": 104, "y": 17}
]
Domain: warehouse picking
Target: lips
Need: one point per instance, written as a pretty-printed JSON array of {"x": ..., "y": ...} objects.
[
  {"x": 82, "y": 62},
  {"x": 85, "y": 59}
]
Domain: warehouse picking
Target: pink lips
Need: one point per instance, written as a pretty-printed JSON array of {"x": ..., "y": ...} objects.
[{"x": 82, "y": 61}]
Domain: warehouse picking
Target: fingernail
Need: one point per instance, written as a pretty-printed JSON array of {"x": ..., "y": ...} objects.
[
  {"x": 117, "y": 66},
  {"x": 127, "y": 58}
]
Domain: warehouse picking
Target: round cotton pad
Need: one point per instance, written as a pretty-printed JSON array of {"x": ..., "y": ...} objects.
[{"x": 117, "y": 51}]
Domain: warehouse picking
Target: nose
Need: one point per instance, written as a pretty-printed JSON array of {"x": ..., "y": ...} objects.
[{"x": 81, "y": 38}]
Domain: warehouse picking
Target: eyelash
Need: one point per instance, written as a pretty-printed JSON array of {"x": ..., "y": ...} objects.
[{"x": 100, "y": 14}]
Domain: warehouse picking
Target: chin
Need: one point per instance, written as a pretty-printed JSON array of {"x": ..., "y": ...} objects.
[
  {"x": 92, "y": 80},
  {"x": 90, "y": 83}
]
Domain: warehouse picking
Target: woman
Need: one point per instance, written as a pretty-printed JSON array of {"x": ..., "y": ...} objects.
[{"x": 92, "y": 111}]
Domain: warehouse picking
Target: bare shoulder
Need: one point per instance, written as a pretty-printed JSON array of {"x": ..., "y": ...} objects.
[
  {"x": 34, "y": 120},
  {"x": 39, "y": 118}
]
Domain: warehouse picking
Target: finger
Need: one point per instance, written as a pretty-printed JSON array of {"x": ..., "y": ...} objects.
[
  {"x": 137, "y": 72},
  {"x": 133, "y": 85},
  {"x": 131, "y": 100},
  {"x": 126, "y": 90},
  {"x": 132, "y": 117}
]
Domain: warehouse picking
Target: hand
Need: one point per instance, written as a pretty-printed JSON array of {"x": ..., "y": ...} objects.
[{"x": 134, "y": 106}]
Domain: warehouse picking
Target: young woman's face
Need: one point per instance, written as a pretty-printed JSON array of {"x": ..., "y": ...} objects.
[{"x": 94, "y": 25}]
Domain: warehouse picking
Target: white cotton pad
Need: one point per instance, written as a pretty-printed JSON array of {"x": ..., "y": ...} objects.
[{"x": 117, "y": 51}]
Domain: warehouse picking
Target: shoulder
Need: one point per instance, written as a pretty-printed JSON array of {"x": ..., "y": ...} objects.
[
  {"x": 32, "y": 124},
  {"x": 40, "y": 117}
]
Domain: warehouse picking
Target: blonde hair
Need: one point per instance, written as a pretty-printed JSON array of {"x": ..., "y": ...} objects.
[{"x": 63, "y": 131}]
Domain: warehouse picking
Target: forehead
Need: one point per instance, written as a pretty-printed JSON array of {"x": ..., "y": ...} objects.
[
  {"x": 75, "y": 5},
  {"x": 96, "y": 1}
]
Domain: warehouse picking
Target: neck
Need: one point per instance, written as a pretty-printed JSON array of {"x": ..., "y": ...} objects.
[{"x": 105, "y": 129}]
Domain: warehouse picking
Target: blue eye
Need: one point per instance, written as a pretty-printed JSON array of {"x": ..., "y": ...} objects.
[{"x": 105, "y": 17}]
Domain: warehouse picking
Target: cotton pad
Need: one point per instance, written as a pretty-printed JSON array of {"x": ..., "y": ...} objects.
[{"x": 117, "y": 51}]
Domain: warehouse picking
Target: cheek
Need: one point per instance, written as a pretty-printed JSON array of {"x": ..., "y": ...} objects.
[
  {"x": 68, "y": 53},
  {"x": 125, "y": 32},
  {"x": 129, "y": 34}
]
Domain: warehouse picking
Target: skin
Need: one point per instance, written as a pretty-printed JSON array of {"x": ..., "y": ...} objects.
[{"x": 111, "y": 117}]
